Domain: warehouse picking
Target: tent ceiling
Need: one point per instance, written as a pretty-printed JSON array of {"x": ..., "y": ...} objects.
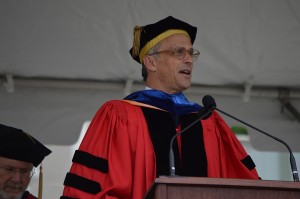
[
  {"x": 255, "y": 42},
  {"x": 244, "y": 45}
]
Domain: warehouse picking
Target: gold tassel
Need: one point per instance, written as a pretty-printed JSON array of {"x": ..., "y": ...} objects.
[
  {"x": 136, "y": 40},
  {"x": 40, "y": 194}
]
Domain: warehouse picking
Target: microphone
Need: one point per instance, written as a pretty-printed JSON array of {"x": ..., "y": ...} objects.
[
  {"x": 204, "y": 113},
  {"x": 211, "y": 104}
]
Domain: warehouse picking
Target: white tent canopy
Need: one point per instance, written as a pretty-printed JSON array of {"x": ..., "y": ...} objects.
[
  {"x": 61, "y": 60},
  {"x": 249, "y": 49},
  {"x": 241, "y": 42}
]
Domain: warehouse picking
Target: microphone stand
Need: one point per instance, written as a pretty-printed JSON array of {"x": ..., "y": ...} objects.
[
  {"x": 292, "y": 158},
  {"x": 206, "y": 113}
]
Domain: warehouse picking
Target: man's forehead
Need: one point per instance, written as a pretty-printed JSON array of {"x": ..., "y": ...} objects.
[{"x": 14, "y": 163}]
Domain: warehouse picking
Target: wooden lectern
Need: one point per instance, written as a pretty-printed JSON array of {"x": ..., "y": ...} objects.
[{"x": 220, "y": 188}]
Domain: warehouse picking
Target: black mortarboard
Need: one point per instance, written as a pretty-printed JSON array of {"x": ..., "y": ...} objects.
[
  {"x": 146, "y": 37},
  {"x": 18, "y": 145}
]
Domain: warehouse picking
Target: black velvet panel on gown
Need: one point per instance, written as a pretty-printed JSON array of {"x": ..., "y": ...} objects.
[{"x": 162, "y": 127}]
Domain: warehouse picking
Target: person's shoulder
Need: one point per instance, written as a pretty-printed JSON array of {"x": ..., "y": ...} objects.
[
  {"x": 28, "y": 195},
  {"x": 124, "y": 110},
  {"x": 213, "y": 118},
  {"x": 118, "y": 104},
  {"x": 121, "y": 107}
]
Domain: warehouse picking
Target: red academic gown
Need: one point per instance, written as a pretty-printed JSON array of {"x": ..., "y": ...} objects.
[
  {"x": 28, "y": 195},
  {"x": 118, "y": 137}
]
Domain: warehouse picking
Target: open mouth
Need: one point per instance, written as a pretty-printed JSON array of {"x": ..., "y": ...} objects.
[{"x": 186, "y": 72}]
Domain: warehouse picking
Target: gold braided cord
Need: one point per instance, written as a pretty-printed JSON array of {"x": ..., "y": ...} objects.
[
  {"x": 136, "y": 40},
  {"x": 40, "y": 193}
]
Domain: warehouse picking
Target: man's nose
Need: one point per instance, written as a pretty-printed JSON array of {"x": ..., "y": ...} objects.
[
  {"x": 16, "y": 176},
  {"x": 188, "y": 58}
]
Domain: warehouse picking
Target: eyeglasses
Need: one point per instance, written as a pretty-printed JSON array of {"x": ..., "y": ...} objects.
[
  {"x": 24, "y": 173},
  {"x": 180, "y": 53}
]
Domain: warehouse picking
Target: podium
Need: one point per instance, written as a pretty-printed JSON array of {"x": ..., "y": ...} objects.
[{"x": 220, "y": 188}]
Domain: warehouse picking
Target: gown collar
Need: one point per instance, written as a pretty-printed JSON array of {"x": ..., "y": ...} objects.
[{"x": 177, "y": 104}]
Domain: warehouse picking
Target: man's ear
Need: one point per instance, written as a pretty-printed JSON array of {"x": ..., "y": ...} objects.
[{"x": 150, "y": 63}]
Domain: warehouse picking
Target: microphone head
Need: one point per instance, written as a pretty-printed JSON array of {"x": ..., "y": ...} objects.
[
  {"x": 209, "y": 102},
  {"x": 209, "y": 105}
]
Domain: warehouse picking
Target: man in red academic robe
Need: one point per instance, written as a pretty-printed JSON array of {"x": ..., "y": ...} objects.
[{"x": 127, "y": 144}]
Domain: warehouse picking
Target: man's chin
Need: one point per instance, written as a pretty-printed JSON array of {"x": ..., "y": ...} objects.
[
  {"x": 185, "y": 87},
  {"x": 10, "y": 194}
]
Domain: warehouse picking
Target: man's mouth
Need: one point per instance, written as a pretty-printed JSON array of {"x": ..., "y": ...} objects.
[
  {"x": 13, "y": 189},
  {"x": 185, "y": 71}
]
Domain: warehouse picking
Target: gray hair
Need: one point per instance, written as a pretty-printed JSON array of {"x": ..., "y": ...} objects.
[{"x": 154, "y": 49}]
